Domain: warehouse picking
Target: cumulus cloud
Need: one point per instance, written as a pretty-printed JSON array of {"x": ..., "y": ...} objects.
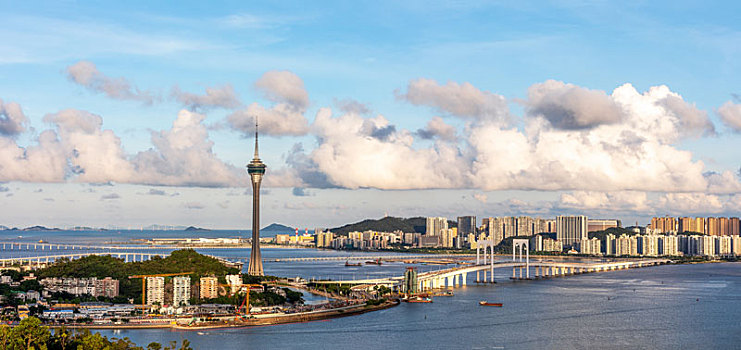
[
  {"x": 690, "y": 203},
  {"x": 183, "y": 156},
  {"x": 694, "y": 122},
  {"x": 351, "y": 156},
  {"x": 348, "y": 106},
  {"x": 461, "y": 100},
  {"x": 78, "y": 149},
  {"x": 283, "y": 87},
  {"x": 12, "y": 119},
  {"x": 286, "y": 117},
  {"x": 730, "y": 113},
  {"x": 568, "y": 106},
  {"x": 223, "y": 97},
  {"x": 4, "y": 189},
  {"x": 155, "y": 192},
  {"x": 592, "y": 200},
  {"x": 436, "y": 127},
  {"x": 87, "y": 75}
]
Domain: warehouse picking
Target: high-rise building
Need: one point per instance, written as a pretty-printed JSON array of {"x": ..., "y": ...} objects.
[
  {"x": 234, "y": 282},
  {"x": 590, "y": 246},
  {"x": 601, "y": 224},
  {"x": 495, "y": 229},
  {"x": 668, "y": 245},
  {"x": 155, "y": 290},
  {"x": 571, "y": 229},
  {"x": 712, "y": 227},
  {"x": 649, "y": 245},
  {"x": 466, "y": 225},
  {"x": 256, "y": 169},
  {"x": 209, "y": 288},
  {"x": 435, "y": 226},
  {"x": 664, "y": 224},
  {"x": 180, "y": 291},
  {"x": 107, "y": 287},
  {"x": 324, "y": 239},
  {"x": 734, "y": 226}
]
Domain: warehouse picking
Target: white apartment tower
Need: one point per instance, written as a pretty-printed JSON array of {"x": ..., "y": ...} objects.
[
  {"x": 181, "y": 291},
  {"x": 436, "y": 225},
  {"x": 571, "y": 229},
  {"x": 155, "y": 290}
]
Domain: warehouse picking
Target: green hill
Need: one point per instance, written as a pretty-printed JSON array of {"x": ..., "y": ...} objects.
[{"x": 388, "y": 224}]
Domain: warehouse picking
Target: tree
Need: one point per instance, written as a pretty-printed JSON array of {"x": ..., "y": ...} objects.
[
  {"x": 154, "y": 346},
  {"x": 31, "y": 334}
]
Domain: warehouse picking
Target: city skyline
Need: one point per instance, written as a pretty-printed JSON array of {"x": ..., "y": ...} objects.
[{"x": 144, "y": 117}]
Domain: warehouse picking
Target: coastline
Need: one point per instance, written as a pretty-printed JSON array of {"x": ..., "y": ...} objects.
[{"x": 233, "y": 321}]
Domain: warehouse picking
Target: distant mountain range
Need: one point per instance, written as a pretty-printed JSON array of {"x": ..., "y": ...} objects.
[{"x": 388, "y": 224}]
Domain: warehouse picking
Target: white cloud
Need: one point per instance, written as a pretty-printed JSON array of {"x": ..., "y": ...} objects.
[
  {"x": 462, "y": 100},
  {"x": 286, "y": 117},
  {"x": 610, "y": 201},
  {"x": 223, "y": 97},
  {"x": 568, "y": 106},
  {"x": 480, "y": 197},
  {"x": 690, "y": 203},
  {"x": 436, "y": 127},
  {"x": 87, "y": 74},
  {"x": 12, "y": 119},
  {"x": 730, "y": 113},
  {"x": 183, "y": 156},
  {"x": 283, "y": 86},
  {"x": 353, "y": 153}
]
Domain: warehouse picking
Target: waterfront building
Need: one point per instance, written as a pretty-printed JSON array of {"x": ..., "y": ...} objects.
[
  {"x": 626, "y": 245},
  {"x": 324, "y": 239},
  {"x": 448, "y": 237},
  {"x": 705, "y": 245},
  {"x": 610, "y": 244},
  {"x": 282, "y": 239},
  {"x": 410, "y": 281},
  {"x": 435, "y": 226},
  {"x": 736, "y": 245},
  {"x": 509, "y": 226},
  {"x": 668, "y": 245},
  {"x": 552, "y": 245},
  {"x": 590, "y": 246},
  {"x": 495, "y": 229},
  {"x": 723, "y": 246},
  {"x": 209, "y": 288},
  {"x": 256, "y": 169},
  {"x": 180, "y": 291},
  {"x": 466, "y": 225},
  {"x": 602, "y": 224},
  {"x": 570, "y": 230},
  {"x": 649, "y": 245},
  {"x": 155, "y": 290}
]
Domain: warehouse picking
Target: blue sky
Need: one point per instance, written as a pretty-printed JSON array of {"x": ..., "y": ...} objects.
[{"x": 481, "y": 67}]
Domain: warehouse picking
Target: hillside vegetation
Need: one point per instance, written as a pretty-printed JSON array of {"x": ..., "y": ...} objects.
[
  {"x": 388, "y": 224},
  {"x": 186, "y": 260}
]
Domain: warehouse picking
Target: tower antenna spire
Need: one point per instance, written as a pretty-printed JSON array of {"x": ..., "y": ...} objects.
[{"x": 256, "y": 133}]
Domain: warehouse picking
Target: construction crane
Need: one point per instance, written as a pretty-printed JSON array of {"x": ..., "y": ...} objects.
[
  {"x": 235, "y": 289},
  {"x": 144, "y": 282}
]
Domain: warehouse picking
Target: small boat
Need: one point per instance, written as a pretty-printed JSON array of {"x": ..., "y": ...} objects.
[
  {"x": 486, "y": 303},
  {"x": 347, "y": 263},
  {"x": 373, "y": 262},
  {"x": 418, "y": 300}
]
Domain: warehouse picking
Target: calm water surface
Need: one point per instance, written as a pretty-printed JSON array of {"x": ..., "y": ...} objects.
[{"x": 664, "y": 307}]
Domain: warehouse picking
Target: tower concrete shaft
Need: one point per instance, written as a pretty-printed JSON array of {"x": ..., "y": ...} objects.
[{"x": 255, "y": 267}]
